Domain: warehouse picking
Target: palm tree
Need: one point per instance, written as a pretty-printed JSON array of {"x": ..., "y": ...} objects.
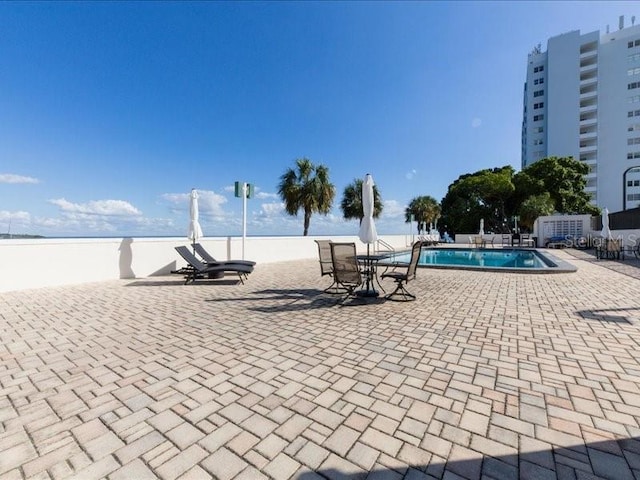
[
  {"x": 425, "y": 209},
  {"x": 307, "y": 188},
  {"x": 351, "y": 204}
]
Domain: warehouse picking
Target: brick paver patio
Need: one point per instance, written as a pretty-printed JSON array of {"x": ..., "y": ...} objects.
[{"x": 487, "y": 375}]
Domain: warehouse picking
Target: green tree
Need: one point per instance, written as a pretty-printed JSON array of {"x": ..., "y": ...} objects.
[
  {"x": 533, "y": 207},
  {"x": 563, "y": 178},
  {"x": 425, "y": 209},
  {"x": 351, "y": 204},
  {"x": 308, "y": 188},
  {"x": 481, "y": 195}
]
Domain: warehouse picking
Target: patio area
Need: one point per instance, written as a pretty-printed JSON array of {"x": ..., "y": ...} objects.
[{"x": 487, "y": 375}]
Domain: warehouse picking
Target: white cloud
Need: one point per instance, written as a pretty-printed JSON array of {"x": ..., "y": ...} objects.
[
  {"x": 11, "y": 178},
  {"x": 272, "y": 209},
  {"x": 392, "y": 209},
  {"x": 265, "y": 195},
  {"x": 410, "y": 174},
  {"x": 209, "y": 203},
  {"x": 476, "y": 122},
  {"x": 97, "y": 207},
  {"x": 16, "y": 218}
]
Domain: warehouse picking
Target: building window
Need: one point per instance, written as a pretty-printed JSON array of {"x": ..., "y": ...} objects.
[
  {"x": 634, "y": 128},
  {"x": 629, "y": 183},
  {"x": 632, "y": 197},
  {"x": 633, "y": 141},
  {"x": 633, "y": 58},
  {"x": 633, "y": 155},
  {"x": 538, "y": 141},
  {"x": 538, "y": 81},
  {"x": 634, "y": 99},
  {"x": 633, "y": 113},
  {"x": 538, "y": 130},
  {"x": 536, "y": 106},
  {"x": 538, "y": 117},
  {"x": 538, "y": 69},
  {"x": 632, "y": 85},
  {"x": 633, "y": 71},
  {"x": 633, "y": 44},
  {"x": 538, "y": 93}
]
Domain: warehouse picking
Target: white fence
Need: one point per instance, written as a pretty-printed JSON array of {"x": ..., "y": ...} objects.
[{"x": 44, "y": 262}]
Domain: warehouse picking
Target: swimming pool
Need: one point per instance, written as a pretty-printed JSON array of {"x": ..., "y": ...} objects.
[{"x": 509, "y": 259}]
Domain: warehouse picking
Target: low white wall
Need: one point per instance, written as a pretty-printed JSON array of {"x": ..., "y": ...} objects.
[{"x": 37, "y": 263}]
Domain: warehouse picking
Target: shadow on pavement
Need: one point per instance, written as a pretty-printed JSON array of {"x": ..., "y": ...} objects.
[{"x": 611, "y": 459}]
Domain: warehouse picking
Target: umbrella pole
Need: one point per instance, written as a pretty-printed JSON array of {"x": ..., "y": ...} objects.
[{"x": 369, "y": 272}]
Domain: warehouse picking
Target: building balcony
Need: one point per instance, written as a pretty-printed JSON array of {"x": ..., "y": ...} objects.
[
  {"x": 589, "y": 109},
  {"x": 589, "y": 136},
  {"x": 589, "y": 95},
  {"x": 584, "y": 56},
  {"x": 588, "y": 149},
  {"x": 589, "y": 68},
  {"x": 589, "y": 122},
  {"x": 588, "y": 80}
]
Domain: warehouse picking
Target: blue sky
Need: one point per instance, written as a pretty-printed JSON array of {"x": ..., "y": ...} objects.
[{"x": 110, "y": 112}]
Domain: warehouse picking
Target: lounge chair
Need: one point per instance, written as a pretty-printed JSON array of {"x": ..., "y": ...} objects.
[
  {"x": 326, "y": 265},
  {"x": 203, "y": 269},
  {"x": 346, "y": 270},
  {"x": 403, "y": 274},
  {"x": 212, "y": 261}
]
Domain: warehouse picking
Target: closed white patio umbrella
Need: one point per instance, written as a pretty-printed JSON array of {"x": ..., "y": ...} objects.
[
  {"x": 368, "y": 233},
  {"x": 195, "y": 231},
  {"x": 606, "y": 232}
]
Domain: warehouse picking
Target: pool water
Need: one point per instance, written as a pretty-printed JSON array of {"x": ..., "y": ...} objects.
[{"x": 478, "y": 257}]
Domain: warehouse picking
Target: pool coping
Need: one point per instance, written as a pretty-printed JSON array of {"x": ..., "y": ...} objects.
[{"x": 554, "y": 264}]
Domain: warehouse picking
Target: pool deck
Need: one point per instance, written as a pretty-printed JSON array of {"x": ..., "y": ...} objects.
[{"x": 488, "y": 375}]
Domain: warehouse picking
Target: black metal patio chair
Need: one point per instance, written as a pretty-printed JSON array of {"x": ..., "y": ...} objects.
[{"x": 403, "y": 274}]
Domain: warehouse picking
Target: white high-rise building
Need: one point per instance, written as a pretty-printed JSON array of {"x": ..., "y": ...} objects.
[{"x": 582, "y": 99}]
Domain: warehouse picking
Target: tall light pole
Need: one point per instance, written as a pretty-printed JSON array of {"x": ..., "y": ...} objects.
[{"x": 244, "y": 190}]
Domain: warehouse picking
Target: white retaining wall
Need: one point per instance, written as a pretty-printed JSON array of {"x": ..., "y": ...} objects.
[{"x": 45, "y": 262}]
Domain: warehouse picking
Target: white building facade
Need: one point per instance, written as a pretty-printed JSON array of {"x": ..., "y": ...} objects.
[{"x": 582, "y": 99}]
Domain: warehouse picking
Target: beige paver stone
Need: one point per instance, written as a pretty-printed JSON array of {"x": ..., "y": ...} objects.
[
  {"x": 16, "y": 455},
  {"x": 327, "y": 398},
  {"x": 311, "y": 455},
  {"x": 259, "y": 425},
  {"x": 381, "y": 441},
  {"x": 184, "y": 435},
  {"x": 43, "y": 462},
  {"x": 271, "y": 446},
  {"x": 182, "y": 462},
  {"x": 341, "y": 440},
  {"x": 282, "y": 467},
  {"x": 357, "y": 421},
  {"x": 165, "y": 421},
  {"x": 136, "y": 469},
  {"x": 251, "y": 473},
  {"x": 224, "y": 464},
  {"x": 103, "y": 445},
  {"x": 421, "y": 411},
  {"x": 293, "y": 427},
  {"x": 326, "y": 417},
  {"x": 235, "y": 412},
  {"x": 385, "y": 424},
  {"x": 139, "y": 447},
  {"x": 363, "y": 456},
  {"x": 100, "y": 469},
  {"x": 474, "y": 422},
  {"x": 219, "y": 437}
]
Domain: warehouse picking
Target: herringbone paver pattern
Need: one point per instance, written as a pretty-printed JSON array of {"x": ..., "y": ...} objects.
[{"x": 487, "y": 375}]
